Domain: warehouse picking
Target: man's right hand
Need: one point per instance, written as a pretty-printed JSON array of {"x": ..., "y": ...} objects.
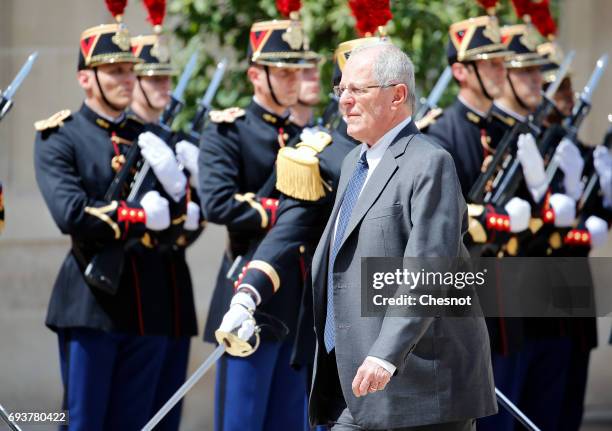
[
  {"x": 240, "y": 316},
  {"x": 571, "y": 163},
  {"x": 564, "y": 208},
  {"x": 533, "y": 166},
  {"x": 157, "y": 211},
  {"x": 603, "y": 165},
  {"x": 519, "y": 213},
  {"x": 187, "y": 154},
  {"x": 164, "y": 164}
]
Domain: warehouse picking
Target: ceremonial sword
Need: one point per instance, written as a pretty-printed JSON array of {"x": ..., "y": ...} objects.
[
  {"x": 515, "y": 411},
  {"x": 6, "y": 98},
  {"x": 4, "y": 415},
  {"x": 228, "y": 341},
  {"x": 180, "y": 393}
]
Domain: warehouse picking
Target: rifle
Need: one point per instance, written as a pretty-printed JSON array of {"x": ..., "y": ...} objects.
[
  {"x": 105, "y": 268},
  {"x": 176, "y": 100},
  {"x": 436, "y": 93},
  {"x": 504, "y": 164},
  {"x": 572, "y": 124},
  {"x": 590, "y": 194},
  {"x": 6, "y": 97},
  {"x": 197, "y": 124}
]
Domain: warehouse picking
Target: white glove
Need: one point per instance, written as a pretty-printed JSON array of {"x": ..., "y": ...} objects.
[
  {"x": 519, "y": 212},
  {"x": 533, "y": 166},
  {"x": 602, "y": 160},
  {"x": 187, "y": 154},
  {"x": 570, "y": 161},
  {"x": 156, "y": 209},
  {"x": 239, "y": 316},
  {"x": 598, "y": 228},
  {"x": 193, "y": 216},
  {"x": 162, "y": 161},
  {"x": 564, "y": 208}
]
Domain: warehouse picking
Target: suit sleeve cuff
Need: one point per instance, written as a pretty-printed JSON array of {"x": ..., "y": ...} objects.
[{"x": 385, "y": 364}]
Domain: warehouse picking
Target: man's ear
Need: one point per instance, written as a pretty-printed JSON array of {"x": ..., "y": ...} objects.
[
  {"x": 253, "y": 73},
  {"x": 400, "y": 95},
  {"x": 85, "y": 78},
  {"x": 459, "y": 72}
]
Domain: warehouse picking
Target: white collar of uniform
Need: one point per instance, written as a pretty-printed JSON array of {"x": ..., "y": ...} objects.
[
  {"x": 111, "y": 120},
  {"x": 516, "y": 116},
  {"x": 261, "y": 105},
  {"x": 471, "y": 108},
  {"x": 376, "y": 151}
]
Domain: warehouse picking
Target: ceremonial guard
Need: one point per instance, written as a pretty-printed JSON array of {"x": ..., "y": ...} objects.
[
  {"x": 112, "y": 343},
  {"x": 151, "y": 96},
  {"x": 534, "y": 376},
  {"x": 307, "y": 177},
  {"x": 591, "y": 223},
  {"x": 237, "y": 189},
  {"x": 302, "y": 113},
  {"x": 476, "y": 56}
]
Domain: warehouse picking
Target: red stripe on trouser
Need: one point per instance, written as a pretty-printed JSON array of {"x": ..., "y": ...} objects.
[{"x": 138, "y": 299}]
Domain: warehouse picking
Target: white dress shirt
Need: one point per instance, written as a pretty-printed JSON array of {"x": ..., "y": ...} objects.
[{"x": 374, "y": 155}]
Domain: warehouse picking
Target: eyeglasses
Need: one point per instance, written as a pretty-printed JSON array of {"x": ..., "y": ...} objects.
[{"x": 356, "y": 91}]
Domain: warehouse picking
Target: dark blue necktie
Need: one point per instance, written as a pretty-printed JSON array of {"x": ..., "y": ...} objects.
[{"x": 349, "y": 200}]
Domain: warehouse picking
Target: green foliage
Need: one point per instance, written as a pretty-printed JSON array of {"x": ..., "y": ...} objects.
[{"x": 220, "y": 28}]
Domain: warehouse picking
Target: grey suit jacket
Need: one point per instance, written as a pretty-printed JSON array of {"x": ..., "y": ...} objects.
[{"x": 411, "y": 206}]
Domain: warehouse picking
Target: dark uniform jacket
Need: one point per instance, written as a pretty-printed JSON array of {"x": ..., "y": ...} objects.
[
  {"x": 238, "y": 152},
  {"x": 582, "y": 330},
  {"x": 465, "y": 134},
  {"x": 294, "y": 237},
  {"x": 460, "y": 131},
  {"x": 72, "y": 157}
]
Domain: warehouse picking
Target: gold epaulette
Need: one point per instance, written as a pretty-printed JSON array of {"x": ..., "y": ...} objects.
[
  {"x": 506, "y": 119},
  {"x": 297, "y": 169},
  {"x": 475, "y": 227},
  {"x": 56, "y": 120},
  {"x": 228, "y": 115},
  {"x": 429, "y": 118}
]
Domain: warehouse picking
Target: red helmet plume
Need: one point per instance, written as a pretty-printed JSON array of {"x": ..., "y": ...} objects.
[
  {"x": 370, "y": 14},
  {"x": 156, "y": 10},
  {"x": 285, "y": 7},
  {"x": 116, "y": 7}
]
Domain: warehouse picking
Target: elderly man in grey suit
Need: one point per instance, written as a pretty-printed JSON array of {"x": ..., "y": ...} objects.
[{"x": 398, "y": 196}]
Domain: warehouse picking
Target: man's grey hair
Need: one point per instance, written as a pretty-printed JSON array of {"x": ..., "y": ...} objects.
[{"x": 391, "y": 66}]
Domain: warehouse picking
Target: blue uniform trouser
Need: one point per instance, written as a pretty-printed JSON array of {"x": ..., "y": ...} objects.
[
  {"x": 109, "y": 378},
  {"x": 261, "y": 392},
  {"x": 534, "y": 380},
  {"x": 172, "y": 376},
  {"x": 575, "y": 388}
]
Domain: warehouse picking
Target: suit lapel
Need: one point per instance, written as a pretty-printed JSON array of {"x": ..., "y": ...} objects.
[
  {"x": 379, "y": 179},
  {"x": 320, "y": 260},
  {"x": 372, "y": 190}
]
